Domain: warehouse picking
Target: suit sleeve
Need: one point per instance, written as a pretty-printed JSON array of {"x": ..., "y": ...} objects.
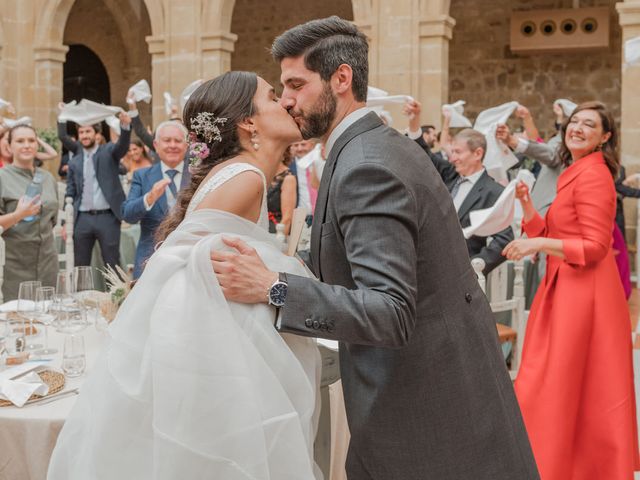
[
  {"x": 445, "y": 169},
  {"x": 133, "y": 208},
  {"x": 141, "y": 132},
  {"x": 66, "y": 140},
  {"x": 545, "y": 153},
  {"x": 375, "y": 222},
  {"x": 492, "y": 253},
  {"x": 595, "y": 204},
  {"x": 72, "y": 188},
  {"x": 121, "y": 147}
]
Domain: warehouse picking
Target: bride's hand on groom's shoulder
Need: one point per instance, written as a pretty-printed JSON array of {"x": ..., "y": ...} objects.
[{"x": 242, "y": 275}]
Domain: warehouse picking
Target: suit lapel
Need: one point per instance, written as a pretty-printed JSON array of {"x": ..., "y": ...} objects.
[
  {"x": 80, "y": 159},
  {"x": 472, "y": 197},
  {"x": 368, "y": 122}
]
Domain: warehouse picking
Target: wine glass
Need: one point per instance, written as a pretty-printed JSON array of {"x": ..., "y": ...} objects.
[
  {"x": 70, "y": 316},
  {"x": 82, "y": 288},
  {"x": 45, "y": 312},
  {"x": 27, "y": 307}
]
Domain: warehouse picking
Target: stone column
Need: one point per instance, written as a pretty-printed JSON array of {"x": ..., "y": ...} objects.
[
  {"x": 433, "y": 69},
  {"x": 159, "y": 77},
  {"x": 216, "y": 53},
  {"x": 629, "y": 13},
  {"x": 49, "y": 62}
]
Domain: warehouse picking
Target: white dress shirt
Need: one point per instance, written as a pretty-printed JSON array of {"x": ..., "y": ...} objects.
[
  {"x": 97, "y": 200},
  {"x": 465, "y": 188},
  {"x": 345, "y": 123},
  {"x": 177, "y": 180}
]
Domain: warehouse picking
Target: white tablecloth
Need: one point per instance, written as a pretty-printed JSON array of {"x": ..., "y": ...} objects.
[{"x": 28, "y": 434}]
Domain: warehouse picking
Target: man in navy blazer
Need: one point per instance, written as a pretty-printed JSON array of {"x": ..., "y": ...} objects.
[
  {"x": 93, "y": 182},
  {"x": 154, "y": 189}
]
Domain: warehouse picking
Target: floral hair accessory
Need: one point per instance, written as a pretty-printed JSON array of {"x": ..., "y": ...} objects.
[
  {"x": 198, "y": 151},
  {"x": 205, "y": 125}
]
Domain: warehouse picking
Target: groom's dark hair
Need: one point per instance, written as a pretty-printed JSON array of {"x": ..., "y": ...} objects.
[{"x": 326, "y": 44}]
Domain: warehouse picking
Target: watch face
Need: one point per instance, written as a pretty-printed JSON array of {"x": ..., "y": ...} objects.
[{"x": 278, "y": 294}]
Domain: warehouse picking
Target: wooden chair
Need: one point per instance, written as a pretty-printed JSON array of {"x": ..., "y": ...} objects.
[
  {"x": 65, "y": 223},
  {"x": 515, "y": 305}
]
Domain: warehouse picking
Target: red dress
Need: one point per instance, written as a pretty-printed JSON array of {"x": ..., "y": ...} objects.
[{"x": 575, "y": 384}]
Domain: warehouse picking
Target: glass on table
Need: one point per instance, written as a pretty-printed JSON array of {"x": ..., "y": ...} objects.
[
  {"x": 83, "y": 289},
  {"x": 64, "y": 285},
  {"x": 73, "y": 356},
  {"x": 27, "y": 307},
  {"x": 46, "y": 314},
  {"x": 69, "y": 314}
]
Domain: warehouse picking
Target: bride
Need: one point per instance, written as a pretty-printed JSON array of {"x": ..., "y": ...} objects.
[{"x": 191, "y": 386}]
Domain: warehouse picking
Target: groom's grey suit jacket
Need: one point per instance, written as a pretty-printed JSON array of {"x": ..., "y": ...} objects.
[{"x": 426, "y": 389}]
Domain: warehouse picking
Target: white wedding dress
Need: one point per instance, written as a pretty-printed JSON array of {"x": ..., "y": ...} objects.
[{"x": 191, "y": 386}]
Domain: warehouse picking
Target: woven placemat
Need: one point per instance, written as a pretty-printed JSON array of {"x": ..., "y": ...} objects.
[{"x": 55, "y": 380}]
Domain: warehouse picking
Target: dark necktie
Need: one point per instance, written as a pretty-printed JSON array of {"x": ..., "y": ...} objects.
[
  {"x": 456, "y": 186},
  {"x": 172, "y": 185}
]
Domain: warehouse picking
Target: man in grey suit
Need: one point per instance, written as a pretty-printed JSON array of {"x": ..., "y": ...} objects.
[
  {"x": 544, "y": 190},
  {"x": 93, "y": 182},
  {"x": 426, "y": 390}
]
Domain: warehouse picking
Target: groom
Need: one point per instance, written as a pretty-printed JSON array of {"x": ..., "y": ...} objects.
[{"x": 426, "y": 389}]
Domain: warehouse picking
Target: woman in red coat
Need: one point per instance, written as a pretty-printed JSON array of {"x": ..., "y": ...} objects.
[{"x": 575, "y": 383}]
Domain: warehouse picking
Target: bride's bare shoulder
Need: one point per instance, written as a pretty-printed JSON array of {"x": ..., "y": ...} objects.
[{"x": 241, "y": 195}]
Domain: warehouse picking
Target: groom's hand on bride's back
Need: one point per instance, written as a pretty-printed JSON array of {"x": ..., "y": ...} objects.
[{"x": 241, "y": 273}]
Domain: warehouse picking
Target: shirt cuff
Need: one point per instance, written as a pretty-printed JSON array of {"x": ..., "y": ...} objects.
[
  {"x": 133, "y": 113},
  {"x": 125, "y": 127},
  {"x": 146, "y": 203},
  {"x": 414, "y": 135},
  {"x": 522, "y": 145}
]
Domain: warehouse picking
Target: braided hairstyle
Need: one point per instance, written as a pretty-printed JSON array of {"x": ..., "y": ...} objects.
[{"x": 228, "y": 96}]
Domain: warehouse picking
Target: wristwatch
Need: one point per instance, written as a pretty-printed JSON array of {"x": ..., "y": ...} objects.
[{"x": 278, "y": 292}]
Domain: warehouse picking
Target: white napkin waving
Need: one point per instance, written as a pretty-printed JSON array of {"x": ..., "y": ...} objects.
[
  {"x": 458, "y": 120},
  {"x": 378, "y": 97},
  {"x": 492, "y": 220},
  {"x": 632, "y": 52},
  {"x": 567, "y": 106},
  {"x": 186, "y": 93},
  {"x": 498, "y": 158},
  {"x": 17, "y": 387},
  {"x": 141, "y": 92},
  {"x": 114, "y": 123},
  {"x": 14, "y": 123},
  {"x": 169, "y": 102},
  {"x": 87, "y": 112}
]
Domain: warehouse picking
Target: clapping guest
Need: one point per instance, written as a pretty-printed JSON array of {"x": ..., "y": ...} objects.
[
  {"x": 281, "y": 197},
  {"x": 93, "y": 182},
  {"x": 27, "y": 221},
  {"x": 575, "y": 383},
  {"x": 154, "y": 189}
]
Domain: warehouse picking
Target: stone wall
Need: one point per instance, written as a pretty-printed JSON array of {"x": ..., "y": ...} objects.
[
  {"x": 484, "y": 72},
  {"x": 123, "y": 50},
  {"x": 258, "y": 22}
]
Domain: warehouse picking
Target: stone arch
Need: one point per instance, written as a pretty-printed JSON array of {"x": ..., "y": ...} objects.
[{"x": 52, "y": 20}]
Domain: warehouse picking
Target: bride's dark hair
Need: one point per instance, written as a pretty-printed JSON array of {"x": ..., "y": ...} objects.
[{"x": 228, "y": 96}]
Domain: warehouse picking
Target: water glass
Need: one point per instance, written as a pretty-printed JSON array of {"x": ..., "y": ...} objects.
[
  {"x": 45, "y": 312},
  {"x": 70, "y": 315},
  {"x": 73, "y": 356},
  {"x": 27, "y": 306},
  {"x": 63, "y": 283},
  {"x": 82, "y": 279}
]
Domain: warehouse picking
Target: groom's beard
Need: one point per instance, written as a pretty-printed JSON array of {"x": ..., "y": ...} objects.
[{"x": 317, "y": 122}]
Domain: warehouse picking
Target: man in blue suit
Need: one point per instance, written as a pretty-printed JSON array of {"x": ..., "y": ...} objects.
[
  {"x": 93, "y": 182},
  {"x": 154, "y": 189}
]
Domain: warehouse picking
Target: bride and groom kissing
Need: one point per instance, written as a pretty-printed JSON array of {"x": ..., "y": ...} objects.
[{"x": 212, "y": 371}]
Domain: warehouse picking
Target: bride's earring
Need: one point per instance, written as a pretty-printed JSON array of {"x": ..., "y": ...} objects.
[{"x": 254, "y": 140}]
